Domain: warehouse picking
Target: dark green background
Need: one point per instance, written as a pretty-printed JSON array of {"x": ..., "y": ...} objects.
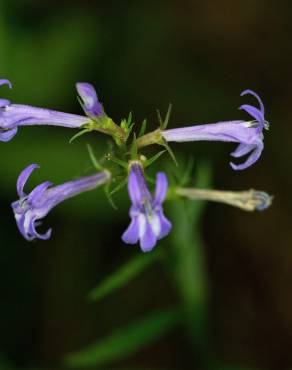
[{"x": 141, "y": 55}]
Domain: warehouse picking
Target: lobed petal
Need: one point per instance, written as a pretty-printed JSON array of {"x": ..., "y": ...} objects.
[
  {"x": 6, "y": 82},
  {"x": 35, "y": 234},
  {"x": 20, "y": 221},
  {"x": 148, "y": 240},
  {"x": 251, "y": 92},
  {"x": 4, "y": 103},
  {"x": 38, "y": 192},
  {"x": 242, "y": 149},
  {"x": 137, "y": 187},
  {"x": 161, "y": 187},
  {"x": 7, "y": 135},
  {"x": 23, "y": 177},
  {"x": 254, "y": 112},
  {"x": 131, "y": 235},
  {"x": 253, "y": 157},
  {"x": 165, "y": 225}
]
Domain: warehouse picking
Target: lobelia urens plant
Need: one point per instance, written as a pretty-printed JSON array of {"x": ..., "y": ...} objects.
[{"x": 148, "y": 223}]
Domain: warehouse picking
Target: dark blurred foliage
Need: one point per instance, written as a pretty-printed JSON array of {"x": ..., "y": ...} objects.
[{"x": 140, "y": 55}]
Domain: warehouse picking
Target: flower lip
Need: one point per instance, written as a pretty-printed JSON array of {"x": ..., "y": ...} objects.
[{"x": 148, "y": 223}]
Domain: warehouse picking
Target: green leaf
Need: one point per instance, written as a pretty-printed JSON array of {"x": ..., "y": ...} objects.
[
  {"x": 125, "y": 341},
  {"x": 143, "y": 128},
  {"x": 119, "y": 186},
  {"x": 189, "y": 266},
  {"x": 93, "y": 158},
  {"x": 170, "y": 152},
  {"x": 109, "y": 197},
  {"x": 123, "y": 275},
  {"x": 151, "y": 160},
  {"x": 80, "y": 133},
  {"x": 163, "y": 123},
  {"x": 160, "y": 121},
  {"x": 166, "y": 119},
  {"x": 118, "y": 161}
]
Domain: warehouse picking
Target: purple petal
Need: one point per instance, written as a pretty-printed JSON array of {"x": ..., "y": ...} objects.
[
  {"x": 241, "y": 150},
  {"x": 7, "y": 135},
  {"x": 254, "y": 156},
  {"x": 88, "y": 95},
  {"x": 165, "y": 225},
  {"x": 23, "y": 177},
  {"x": 36, "y": 235},
  {"x": 6, "y": 82},
  {"x": 131, "y": 235},
  {"x": 20, "y": 221},
  {"x": 148, "y": 239},
  {"x": 161, "y": 187},
  {"x": 254, "y": 112},
  {"x": 137, "y": 187},
  {"x": 38, "y": 191},
  {"x": 251, "y": 92},
  {"x": 4, "y": 103}
]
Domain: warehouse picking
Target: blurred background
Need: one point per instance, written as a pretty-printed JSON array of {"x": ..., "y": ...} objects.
[{"x": 141, "y": 55}]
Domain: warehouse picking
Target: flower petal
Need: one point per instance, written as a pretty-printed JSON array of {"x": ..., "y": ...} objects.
[
  {"x": 242, "y": 149},
  {"x": 131, "y": 235},
  {"x": 23, "y": 177},
  {"x": 137, "y": 187},
  {"x": 38, "y": 192},
  {"x": 254, "y": 112},
  {"x": 91, "y": 105},
  {"x": 6, "y": 82},
  {"x": 20, "y": 223},
  {"x": 251, "y": 92},
  {"x": 165, "y": 225},
  {"x": 148, "y": 240},
  {"x": 4, "y": 103},
  {"x": 35, "y": 234},
  {"x": 7, "y": 135},
  {"x": 254, "y": 156},
  {"x": 161, "y": 187}
]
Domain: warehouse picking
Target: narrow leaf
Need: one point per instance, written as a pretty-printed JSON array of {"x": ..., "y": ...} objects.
[
  {"x": 170, "y": 152},
  {"x": 80, "y": 133},
  {"x": 159, "y": 118},
  {"x": 118, "y": 161},
  {"x": 93, "y": 158},
  {"x": 143, "y": 128},
  {"x": 125, "y": 341},
  {"x": 123, "y": 275},
  {"x": 166, "y": 120},
  {"x": 153, "y": 159},
  {"x": 118, "y": 187}
]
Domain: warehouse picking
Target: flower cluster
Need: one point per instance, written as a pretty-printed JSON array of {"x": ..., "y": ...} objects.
[{"x": 148, "y": 223}]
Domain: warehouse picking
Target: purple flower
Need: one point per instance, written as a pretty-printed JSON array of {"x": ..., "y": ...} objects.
[
  {"x": 14, "y": 115},
  {"x": 148, "y": 223},
  {"x": 91, "y": 105},
  {"x": 249, "y": 134},
  {"x": 31, "y": 208}
]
